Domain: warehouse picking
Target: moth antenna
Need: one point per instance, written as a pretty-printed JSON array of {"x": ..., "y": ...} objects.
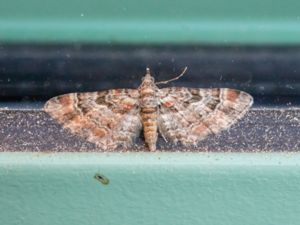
[{"x": 175, "y": 78}]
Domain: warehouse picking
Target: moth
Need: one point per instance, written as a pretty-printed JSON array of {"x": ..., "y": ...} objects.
[{"x": 116, "y": 117}]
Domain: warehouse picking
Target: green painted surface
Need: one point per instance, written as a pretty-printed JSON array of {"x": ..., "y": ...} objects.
[
  {"x": 135, "y": 21},
  {"x": 150, "y": 188}
]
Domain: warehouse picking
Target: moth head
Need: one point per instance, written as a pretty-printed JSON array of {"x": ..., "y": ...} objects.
[{"x": 147, "y": 79}]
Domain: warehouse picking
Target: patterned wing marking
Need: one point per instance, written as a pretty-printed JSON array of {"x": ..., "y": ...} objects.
[
  {"x": 108, "y": 118},
  {"x": 189, "y": 115}
]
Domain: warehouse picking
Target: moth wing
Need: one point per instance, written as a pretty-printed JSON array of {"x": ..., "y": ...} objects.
[
  {"x": 107, "y": 118},
  {"x": 189, "y": 115}
]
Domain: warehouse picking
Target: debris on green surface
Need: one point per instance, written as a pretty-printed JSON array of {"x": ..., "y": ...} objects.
[{"x": 101, "y": 178}]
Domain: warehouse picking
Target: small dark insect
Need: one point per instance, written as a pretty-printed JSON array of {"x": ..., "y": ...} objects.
[{"x": 104, "y": 180}]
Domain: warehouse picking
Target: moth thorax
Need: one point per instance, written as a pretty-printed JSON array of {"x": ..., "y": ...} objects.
[
  {"x": 148, "y": 102},
  {"x": 147, "y": 91}
]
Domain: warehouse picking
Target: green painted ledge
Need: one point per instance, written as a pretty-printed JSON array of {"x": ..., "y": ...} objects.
[
  {"x": 155, "y": 32},
  {"x": 151, "y": 22},
  {"x": 150, "y": 188}
]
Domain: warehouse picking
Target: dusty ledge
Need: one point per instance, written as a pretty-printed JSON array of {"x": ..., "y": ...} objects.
[{"x": 259, "y": 131}]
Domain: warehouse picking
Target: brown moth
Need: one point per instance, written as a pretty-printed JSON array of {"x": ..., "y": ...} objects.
[{"x": 115, "y": 117}]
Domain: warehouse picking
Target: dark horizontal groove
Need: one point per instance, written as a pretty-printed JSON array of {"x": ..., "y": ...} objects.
[
  {"x": 260, "y": 130},
  {"x": 28, "y": 71}
]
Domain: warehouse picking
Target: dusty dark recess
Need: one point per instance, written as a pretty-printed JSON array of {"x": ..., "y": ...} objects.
[
  {"x": 31, "y": 72},
  {"x": 27, "y": 71}
]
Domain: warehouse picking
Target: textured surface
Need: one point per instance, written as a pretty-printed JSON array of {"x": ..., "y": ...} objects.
[
  {"x": 260, "y": 130},
  {"x": 108, "y": 118},
  {"x": 156, "y": 21},
  {"x": 150, "y": 188}
]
